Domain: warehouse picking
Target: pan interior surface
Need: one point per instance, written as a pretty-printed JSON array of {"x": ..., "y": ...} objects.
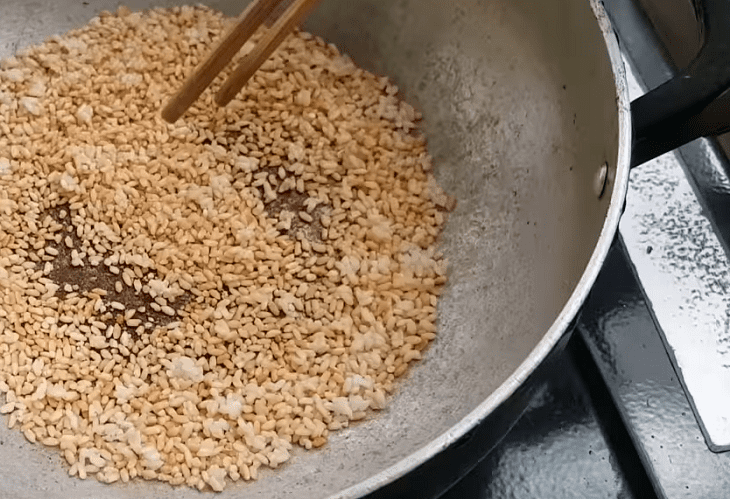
[{"x": 519, "y": 107}]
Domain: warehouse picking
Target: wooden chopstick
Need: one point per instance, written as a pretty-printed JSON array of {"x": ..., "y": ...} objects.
[
  {"x": 246, "y": 25},
  {"x": 248, "y": 22},
  {"x": 292, "y": 16},
  {"x": 278, "y": 11}
]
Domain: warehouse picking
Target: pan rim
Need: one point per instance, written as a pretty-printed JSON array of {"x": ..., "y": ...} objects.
[{"x": 571, "y": 308}]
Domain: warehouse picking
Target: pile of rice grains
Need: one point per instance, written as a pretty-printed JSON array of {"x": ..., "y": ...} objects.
[{"x": 188, "y": 302}]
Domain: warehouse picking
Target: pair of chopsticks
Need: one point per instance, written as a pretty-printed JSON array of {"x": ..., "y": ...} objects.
[{"x": 285, "y": 15}]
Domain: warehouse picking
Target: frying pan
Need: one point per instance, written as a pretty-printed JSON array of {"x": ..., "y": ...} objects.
[{"x": 527, "y": 116}]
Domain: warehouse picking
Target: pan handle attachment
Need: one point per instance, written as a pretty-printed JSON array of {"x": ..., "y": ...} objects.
[{"x": 696, "y": 102}]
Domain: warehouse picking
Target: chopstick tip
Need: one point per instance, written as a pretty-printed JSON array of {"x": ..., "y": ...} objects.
[
  {"x": 170, "y": 113},
  {"x": 222, "y": 99}
]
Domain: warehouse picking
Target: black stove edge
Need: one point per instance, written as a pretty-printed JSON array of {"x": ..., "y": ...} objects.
[
  {"x": 610, "y": 421},
  {"x": 652, "y": 64},
  {"x": 598, "y": 361},
  {"x": 620, "y": 333}
]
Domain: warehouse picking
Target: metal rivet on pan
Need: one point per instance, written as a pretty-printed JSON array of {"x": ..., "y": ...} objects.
[{"x": 600, "y": 180}]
